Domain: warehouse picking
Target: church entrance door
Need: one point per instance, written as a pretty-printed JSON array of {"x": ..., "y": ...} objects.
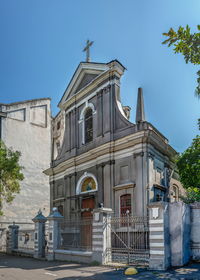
[{"x": 87, "y": 206}]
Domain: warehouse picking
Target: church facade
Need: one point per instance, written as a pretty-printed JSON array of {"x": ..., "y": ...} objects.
[{"x": 99, "y": 157}]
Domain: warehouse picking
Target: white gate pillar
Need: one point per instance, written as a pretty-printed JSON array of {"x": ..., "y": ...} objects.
[
  {"x": 54, "y": 236},
  {"x": 159, "y": 238},
  {"x": 101, "y": 235}
]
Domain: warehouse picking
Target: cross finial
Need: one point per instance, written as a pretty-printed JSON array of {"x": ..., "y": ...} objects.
[{"x": 87, "y": 49}]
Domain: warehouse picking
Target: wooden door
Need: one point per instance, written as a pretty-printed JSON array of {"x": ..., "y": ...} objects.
[
  {"x": 86, "y": 226},
  {"x": 88, "y": 205}
]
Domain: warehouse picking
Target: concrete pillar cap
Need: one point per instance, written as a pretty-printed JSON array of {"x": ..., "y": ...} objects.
[
  {"x": 55, "y": 215},
  {"x": 39, "y": 217},
  {"x": 103, "y": 210}
]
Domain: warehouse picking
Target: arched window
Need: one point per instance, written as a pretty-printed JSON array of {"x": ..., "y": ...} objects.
[
  {"x": 86, "y": 183},
  {"x": 88, "y": 121},
  {"x": 174, "y": 194},
  {"x": 125, "y": 204}
]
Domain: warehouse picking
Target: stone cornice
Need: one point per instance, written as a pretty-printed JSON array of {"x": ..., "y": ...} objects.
[{"x": 140, "y": 137}]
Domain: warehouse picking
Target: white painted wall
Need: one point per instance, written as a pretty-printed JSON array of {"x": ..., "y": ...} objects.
[{"x": 27, "y": 129}]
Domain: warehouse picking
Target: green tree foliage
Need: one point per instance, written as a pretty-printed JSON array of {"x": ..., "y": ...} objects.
[
  {"x": 188, "y": 45},
  {"x": 192, "y": 195},
  {"x": 188, "y": 165},
  {"x": 10, "y": 174}
]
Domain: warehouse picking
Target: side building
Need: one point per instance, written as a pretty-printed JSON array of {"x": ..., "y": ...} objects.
[{"x": 26, "y": 127}]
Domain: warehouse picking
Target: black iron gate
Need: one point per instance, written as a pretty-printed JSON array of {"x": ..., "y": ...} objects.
[{"x": 129, "y": 240}]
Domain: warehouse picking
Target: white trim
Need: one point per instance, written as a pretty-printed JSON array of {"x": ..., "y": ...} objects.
[
  {"x": 83, "y": 67},
  {"x": 159, "y": 221},
  {"x": 75, "y": 253},
  {"x": 154, "y": 252},
  {"x": 84, "y": 100},
  {"x": 97, "y": 230},
  {"x": 97, "y": 224},
  {"x": 157, "y": 244},
  {"x": 156, "y": 236},
  {"x": 156, "y": 229},
  {"x": 82, "y": 118},
  {"x": 83, "y": 177},
  {"x": 97, "y": 242},
  {"x": 97, "y": 236},
  {"x": 87, "y": 105},
  {"x": 97, "y": 249}
]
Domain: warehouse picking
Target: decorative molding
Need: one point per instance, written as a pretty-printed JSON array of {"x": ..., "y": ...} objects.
[
  {"x": 138, "y": 154},
  {"x": 103, "y": 164},
  {"x": 151, "y": 155},
  {"x": 80, "y": 181},
  {"x": 124, "y": 186},
  {"x": 163, "y": 188},
  {"x": 59, "y": 199},
  {"x": 128, "y": 145}
]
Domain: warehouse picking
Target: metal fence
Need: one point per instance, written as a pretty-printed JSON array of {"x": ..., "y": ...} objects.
[
  {"x": 3, "y": 239},
  {"x": 24, "y": 237},
  {"x": 26, "y": 240},
  {"x": 129, "y": 239},
  {"x": 76, "y": 234}
]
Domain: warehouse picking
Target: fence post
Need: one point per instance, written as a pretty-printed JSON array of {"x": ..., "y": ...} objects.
[
  {"x": 12, "y": 242},
  {"x": 101, "y": 235},
  {"x": 39, "y": 238},
  {"x": 54, "y": 236},
  {"x": 159, "y": 238}
]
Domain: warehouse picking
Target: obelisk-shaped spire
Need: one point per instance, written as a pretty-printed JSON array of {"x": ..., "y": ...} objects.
[{"x": 140, "y": 116}]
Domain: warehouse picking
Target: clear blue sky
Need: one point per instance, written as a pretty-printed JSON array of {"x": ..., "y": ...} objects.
[{"x": 42, "y": 40}]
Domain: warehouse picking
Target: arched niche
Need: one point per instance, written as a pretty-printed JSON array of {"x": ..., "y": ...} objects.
[{"x": 87, "y": 183}]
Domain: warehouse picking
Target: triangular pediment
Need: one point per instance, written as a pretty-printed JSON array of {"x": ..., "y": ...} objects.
[
  {"x": 84, "y": 75},
  {"x": 87, "y": 78}
]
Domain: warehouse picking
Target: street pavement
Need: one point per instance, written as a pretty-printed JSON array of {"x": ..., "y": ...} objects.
[{"x": 21, "y": 268}]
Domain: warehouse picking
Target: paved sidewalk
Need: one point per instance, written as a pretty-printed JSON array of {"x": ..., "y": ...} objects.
[{"x": 20, "y": 268}]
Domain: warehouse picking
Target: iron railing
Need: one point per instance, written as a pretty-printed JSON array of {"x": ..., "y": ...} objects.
[
  {"x": 76, "y": 234},
  {"x": 26, "y": 239},
  {"x": 129, "y": 239}
]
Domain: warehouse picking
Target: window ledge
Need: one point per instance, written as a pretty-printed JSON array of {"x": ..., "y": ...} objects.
[
  {"x": 161, "y": 187},
  {"x": 59, "y": 199},
  {"x": 124, "y": 186}
]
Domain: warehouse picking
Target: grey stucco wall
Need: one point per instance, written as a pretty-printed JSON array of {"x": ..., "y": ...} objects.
[
  {"x": 179, "y": 225},
  {"x": 195, "y": 229}
]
